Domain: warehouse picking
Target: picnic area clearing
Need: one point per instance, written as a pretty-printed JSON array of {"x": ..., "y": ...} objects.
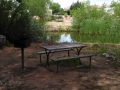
[{"x": 103, "y": 74}]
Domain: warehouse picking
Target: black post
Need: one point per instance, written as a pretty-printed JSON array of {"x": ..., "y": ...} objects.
[
  {"x": 22, "y": 43},
  {"x": 22, "y": 52}
]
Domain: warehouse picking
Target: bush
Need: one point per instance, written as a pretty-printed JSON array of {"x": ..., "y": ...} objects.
[
  {"x": 16, "y": 21},
  {"x": 36, "y": 33},
  {"x": 65, "y": 14},
  {"x": 49, "y": 18},
  {"x": 94, "y": 20},
  {"x": 7, "y": 43}
]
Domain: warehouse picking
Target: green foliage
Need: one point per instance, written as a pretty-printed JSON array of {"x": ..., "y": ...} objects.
[
  {"x": 83, "y": 38},
  {"x": 38, "y": 8},
  {"x": 93, "y": 20},
  {"x": 94, "y": 26},
  {"x": 5, "y": 13},
  {"x": 19, "y": 25},
  {"x": 116, "y": 8},
  {"x": 102, "y": 50},
  {"x": 36, "y": 33},
  {"x": 71, "y": 62},
  {"x": 56, "y": 9},
  {"x": 8, "y": 44},
  {"x": 61, "y": 12},
  {"x": 49, "y": 18},
  {"x": 16, "y": 18},
  {"x": 75, "y": 5},
  {"x": 65, "y": 14}
]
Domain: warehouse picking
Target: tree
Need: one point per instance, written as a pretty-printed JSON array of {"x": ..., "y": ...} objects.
[
  {"x": 5, "y": 14},
  {"x": 38, "y": 8},
  {"x": 75, "y": 5},
  {"x": 56, "y": 9},
  {"x": 116, "y": 7},
  {"x": 16, "y": 18}
]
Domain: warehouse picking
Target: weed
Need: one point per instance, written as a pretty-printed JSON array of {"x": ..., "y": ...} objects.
[{"x": 33, "y": 55}]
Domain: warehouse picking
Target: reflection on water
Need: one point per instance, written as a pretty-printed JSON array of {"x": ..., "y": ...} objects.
[
  {"x": 48, "y": 38},
  {"x": 65, "y": 38},
  {"x": 78, "y": 37}
]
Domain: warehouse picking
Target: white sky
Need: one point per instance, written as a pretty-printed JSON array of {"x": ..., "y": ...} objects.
[{"x": 67, "y": 3}]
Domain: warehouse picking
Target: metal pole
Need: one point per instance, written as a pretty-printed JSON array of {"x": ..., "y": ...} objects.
[{"x": 22, "y": 52}]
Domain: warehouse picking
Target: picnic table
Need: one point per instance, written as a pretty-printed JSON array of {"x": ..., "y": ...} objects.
[{"x": 62, "y": 47}]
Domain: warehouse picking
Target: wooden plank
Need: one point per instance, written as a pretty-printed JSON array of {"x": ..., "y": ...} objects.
[
  {"x": 44, "y": 52},
  {"x": 64, "y": 46},
  {"x": 72, "y": 57}
]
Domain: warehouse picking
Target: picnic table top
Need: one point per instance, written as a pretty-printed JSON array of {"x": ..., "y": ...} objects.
[{"x": 63, "y": 46}]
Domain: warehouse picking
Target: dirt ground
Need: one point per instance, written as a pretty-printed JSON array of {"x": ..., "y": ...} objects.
[
  {"x": 56, "y": 26},
  {"x": 101, "y": 76}
]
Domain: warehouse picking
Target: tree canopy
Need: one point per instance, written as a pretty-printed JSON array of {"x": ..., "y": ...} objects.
[
  {"x": 16, "y": 18},
  {"x": 56, "y": 8},
  {"x": 75, "y": 5}
]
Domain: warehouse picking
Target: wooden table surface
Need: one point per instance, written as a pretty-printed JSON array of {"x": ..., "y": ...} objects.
[{"x": 63, "y": 46}]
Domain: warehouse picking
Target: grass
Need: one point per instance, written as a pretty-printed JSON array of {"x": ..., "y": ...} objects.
[
  {"x": 33, "y": 55},
  {"x": 7, "y": 43},
  {"x": 71, "y": 62}
]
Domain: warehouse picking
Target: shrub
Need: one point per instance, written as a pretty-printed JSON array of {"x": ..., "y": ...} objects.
[
  {"x": 16, "y": 21},
  {"x": 93, "y": 20},
  {"x": 36, "y": 33},
  {"x": 65, "y": 14}
]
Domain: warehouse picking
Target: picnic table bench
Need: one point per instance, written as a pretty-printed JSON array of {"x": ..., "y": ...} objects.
[
  {"x": 44, "y": 52},
  {"x": 73, "y": 58}
]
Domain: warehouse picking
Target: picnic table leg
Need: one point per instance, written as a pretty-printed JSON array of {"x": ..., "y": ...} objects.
[
  {"x": 40, "y": 58},
  {"x": 78, "y": 53},
  {"x": 68, "y": 53},
  {"x": 47, "y": 59},
  {"x": 57, "y": 67},
  {"x": 90, "y": 62}
]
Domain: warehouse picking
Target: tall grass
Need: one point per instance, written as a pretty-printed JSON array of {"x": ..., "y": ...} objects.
[
  {"x": 94, "y": 26},
  {"x": 95, "y": 20}
]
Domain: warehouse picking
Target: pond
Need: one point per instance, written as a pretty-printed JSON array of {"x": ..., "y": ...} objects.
[{"x": 78, "y": 37}]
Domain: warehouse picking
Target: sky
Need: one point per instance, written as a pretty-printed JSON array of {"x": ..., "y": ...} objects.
[{"x": 67, "y": 3}]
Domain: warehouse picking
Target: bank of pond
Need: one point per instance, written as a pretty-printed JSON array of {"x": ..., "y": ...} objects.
[{"x": 81, "y": 37}]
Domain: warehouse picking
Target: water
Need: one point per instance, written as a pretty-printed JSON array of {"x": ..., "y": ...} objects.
[
  {"x": 66, "y": 38},
  {"x": 60, "y": 37},
  {"x": 77, "y": 37}
]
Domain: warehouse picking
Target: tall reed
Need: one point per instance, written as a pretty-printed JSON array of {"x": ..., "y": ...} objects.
[{"x": 95, "y": 20}]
